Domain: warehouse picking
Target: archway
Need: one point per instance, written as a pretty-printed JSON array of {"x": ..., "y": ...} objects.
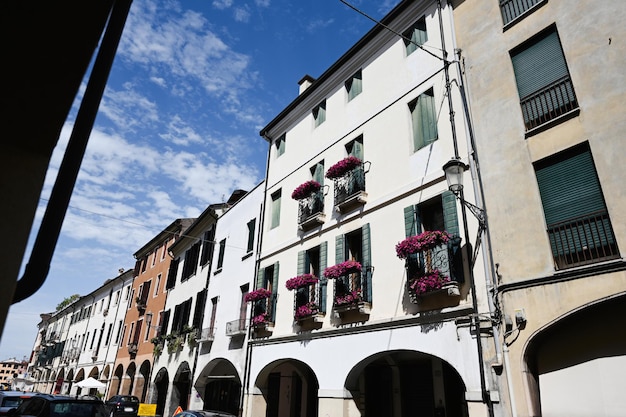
[
  {"x": 69, "y": 380},
  {"x": 575, "y": 365},
  {"x": 58, "y": 385},
  {"x": 116, "y": 381},
  {"x": 161, "y": 383},
  {"x": 406, "y": 383},
  {"x": 141, "y": 385},
  {"x": 290, "y": 389},
  {"x": 80, "y": 375},
  {"x": 219, "y": 385},
  {"x": 128, "y": 381},
  {"x": 181, "y": 387}
]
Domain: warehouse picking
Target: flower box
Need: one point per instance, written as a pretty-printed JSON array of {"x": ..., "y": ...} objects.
[
  {"x": 421, "y": 242},
  {"x": 258, "y": 294},
  {"x": 343, "y": 167},
  {"x": 344, "y": 268},
  {"x": 301, "y": 281},
  {"x": 431, "y": 284},
  {"x": 304, "y": 190},
  {"x": 306, "y": 311}
]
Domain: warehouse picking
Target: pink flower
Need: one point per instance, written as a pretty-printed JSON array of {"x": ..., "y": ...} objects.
[
  {"x": 301, "y": 281},
  {"x": 343, "y": 166},
  {"x": 344, "y": 268},
  {"x": 260, "y": 319},
  {"x": 430, "y": 282},
  {"x": 256, "y": 295},
  {"x": 352, "y": 297},
  {"x": 425, "y": 240},
  {"x": 305, "y": 311},
  {"x": 306, "y": 189}
]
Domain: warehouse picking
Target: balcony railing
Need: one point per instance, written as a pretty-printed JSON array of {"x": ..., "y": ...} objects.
[
  {"x": 353, "y": 290},
  {"x": 583, "y": 240},
  {"x": 549, "y": 103},
  {"x": 512, "y": 9},
  {"x": 236, "y": 327},
  {"x": 350, "y": 188},
  {"x": 306, "y": 302},
  {"x": 207, "y": 334},
  {"x": 264, "y": 308},
  {"x": 311, "y": 210},
  {"x": 434, "y": 262}
]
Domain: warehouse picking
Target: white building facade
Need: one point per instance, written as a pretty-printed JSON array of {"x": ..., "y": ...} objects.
[{"x": 355, "y": 169}]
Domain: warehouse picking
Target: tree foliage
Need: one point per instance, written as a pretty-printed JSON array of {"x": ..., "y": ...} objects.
[{"x": 67, "y": 301}]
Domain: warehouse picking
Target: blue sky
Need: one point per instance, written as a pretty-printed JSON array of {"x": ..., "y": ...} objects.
[{"x": 178, "y": 128}]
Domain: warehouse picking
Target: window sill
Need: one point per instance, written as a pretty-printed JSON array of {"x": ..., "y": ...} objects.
[
  {"x": 523, "y": 15},
  {"x": 246, "y": 256},
  {"x": 217, "y": 271},
  {"x": 551, "y": 123}
]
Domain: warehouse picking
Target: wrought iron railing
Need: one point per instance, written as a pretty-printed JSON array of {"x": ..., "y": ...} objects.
[
  {"x": 236, "y": 327},
  {"x": 549, "y": 103},
  {"x": 583, "y": 240},
  {"x": 265, "y": 306},
  {"x": 208, "y": 333},
  {"x": 512, "y": 9},
  {"x": 355, "y": 283},
  {"x": 310, "y": 206},
  {"x": 307, "y": 296},
  {"x": 351, "y": 183},
  {"x": 425, "y": 262}
]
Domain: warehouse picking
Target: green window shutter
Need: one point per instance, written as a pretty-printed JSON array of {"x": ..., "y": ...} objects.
[
  {"x": 260, "y": 278},
  {"x": 366, "y": 251},
  {"x": 318, "y": 172},
  {"x": 417, "y": 35},
  {"x": 450, "y": 216},
  {"x": 340, "y": 252},
  {"x": 412, "y": 224},
  {"x": 539, "y": 64},
  {"x": 357, "y": 149},
  {"x": 354, "y": 85},
  {"x": 323, "y": 281},
  {"x": 276, "y": 197},
  {"x": 424, "y": 118},
  {"x": 302, "y": 262},
  {"x": 274, "y": 292}
]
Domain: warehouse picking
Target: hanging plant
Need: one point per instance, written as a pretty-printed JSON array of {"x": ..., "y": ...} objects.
[
  {"x": 301, "y": 281},
  {"x": 432, "y": 281},
  {"x": 256, "y": 295},
  {"x": 344, "y": 268},
  {"x": 421, "y": 242},
  {"x": 342, "y": 167},
  {"x": 306, "y": 189}
]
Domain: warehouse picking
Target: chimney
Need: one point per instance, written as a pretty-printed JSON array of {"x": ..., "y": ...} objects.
[{"x": 305, "y": 82}]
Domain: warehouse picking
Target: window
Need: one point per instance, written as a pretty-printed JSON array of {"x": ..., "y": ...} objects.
[
  {"x": 119, "y": 335},
  {"x": 208, "y": 241},
  {"x": 280, "y": 144},
  {"x": 181, "y": 316},
  {"x": 171, "y": 274},
  {"x": 512, "y": 9},
  {"x": 438, "y": 213},
  {"x": 164, "y": 250},
  {"x": 109, "y": 333},
  {"x": 578, "y": 223},
  {"x": 198, "y": 313},
  {"x": 311, "y": 206},
  {"x": 191, "y": 261},
  {"x": 137, "y": 335},
  {"x": 275, "y": 209},
  {"x": 355, "y": 147},
  {"x": 251, "y": 228},
  {"x": 148, "y": 327},
  {"x": 157, "y": 285},
  {"x": 164, "y": 320},
  {"x": 154, "y": 256},
  {"x": 543, "y": 81},
  {"x": 354, "y": 85},
  {"x": 243, "y": 307},
  {"x": 130, "y": 333},
  {"x": 313, "y": 261},
  {"x": 118, "y": 293},
  {"x": 424, "y": 120},
  {"x": 415, "y": 36},
  {"x": 267, "y": 278},
  {"x": 213, "y": 315},
  {"x": 220, "y": 256},
  {"x": 319, "y": 113},
  {"x": 354, "y": 246}
]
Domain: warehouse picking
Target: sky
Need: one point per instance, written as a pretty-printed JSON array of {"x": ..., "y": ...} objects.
[{"x": 192, "y": 84}]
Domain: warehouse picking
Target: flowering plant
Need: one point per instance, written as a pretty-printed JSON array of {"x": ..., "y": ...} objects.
[
  {"x": 301, "y": 281},
  {"x": 343, "y": 166},
  {"x": 256, "y": 295},
  {"x": 342, "y": 269},
  {"x": 260, "y": 319},
  {"x": 432, "y": 281},
  {"x": 425, "y": 240},
  {"x": 305, "y": 311},
  {"x": 352, "y": 297},
  {"x": 305, "y": 189}
]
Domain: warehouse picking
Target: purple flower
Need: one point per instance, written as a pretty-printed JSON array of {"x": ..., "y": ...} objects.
[
  {"x": 256, "y": 295},
  {"x": 306, "y": 189},
  {"x": 344, "y": 268},
  {"x": 260, "y": 319},
  {"x": 425, "y": 240},
  {"x": 343, "y": 166},
  {"x": 306, "y": 310},
  {"x": 301, "y": 281},
  {"x": 432, "y": 281},
  {"x": 352, "y": 297}
]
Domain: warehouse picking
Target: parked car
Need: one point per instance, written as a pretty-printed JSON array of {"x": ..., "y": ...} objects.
[
  {"x": 203, "y": 413},
  {"x": 46, "y": 405},
  {"x": 122, "y": 406},
  {"x": 12, "y": 399}
]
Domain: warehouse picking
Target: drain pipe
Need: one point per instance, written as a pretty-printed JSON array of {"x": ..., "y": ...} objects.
[{"x": 38, "y": 265}]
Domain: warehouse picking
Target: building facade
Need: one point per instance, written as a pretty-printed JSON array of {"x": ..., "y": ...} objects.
[
  {"x": 546, "y": 87},
  {"x": 371, "y": 293}
]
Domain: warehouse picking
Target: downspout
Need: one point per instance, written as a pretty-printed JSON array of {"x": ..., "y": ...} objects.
[
  {"x": 475, "y": 319},
  {"x": 257, "y": 263},
  {"x": 38, "y": 265}
]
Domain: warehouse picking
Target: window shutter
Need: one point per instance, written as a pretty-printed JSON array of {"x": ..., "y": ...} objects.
[
  {"x": 318, "y": 173},
  {"x": 301, "y": 262},
  {"x": 450, "y": 216},
  {"x": 274, "y": 292},
  {"x": 357, "y": 149},
  {"x": 366, "y": 251},
  {"x": 539, "y": 64},
  {"x": 171, "y": 274},
  {"x": 424, "y": 120},
  {"x": 340, "y": 253},
  {"x": 412, "y": 223},
  {"x": 323, "y": 281},
  {"x": 198, "y": 313},
  {"x": 260, "y": 278}
]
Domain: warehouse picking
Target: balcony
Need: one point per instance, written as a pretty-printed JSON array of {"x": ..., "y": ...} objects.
[
  {"x": 431, "y": 272},
  {"x": 549, "y": 103},
  {"x": 583, "y": 240},
  {"x": 306, "y": 308},
  {"x": 311, "y": 211},
  {"x": 350, "y": 189},
  {"x": 236, "y": 328},
  {"x": 132, "y": 349},
  {"x": 353, "y": 293},
  {"x": 207, "y": 335},
  {"x": 262, "y": 316}
]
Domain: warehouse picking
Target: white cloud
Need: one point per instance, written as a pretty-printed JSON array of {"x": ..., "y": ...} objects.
[
  {"x": 318, "y": 24},
  {"x": 242, "y": 14},
  {"x": 262, "y": 3},
  {"x": 180, "y": 133},
  {"x": 222, "y": 4}
]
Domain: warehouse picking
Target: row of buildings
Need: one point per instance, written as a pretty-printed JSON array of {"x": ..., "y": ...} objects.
[{"x": 438, "y": 233}]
